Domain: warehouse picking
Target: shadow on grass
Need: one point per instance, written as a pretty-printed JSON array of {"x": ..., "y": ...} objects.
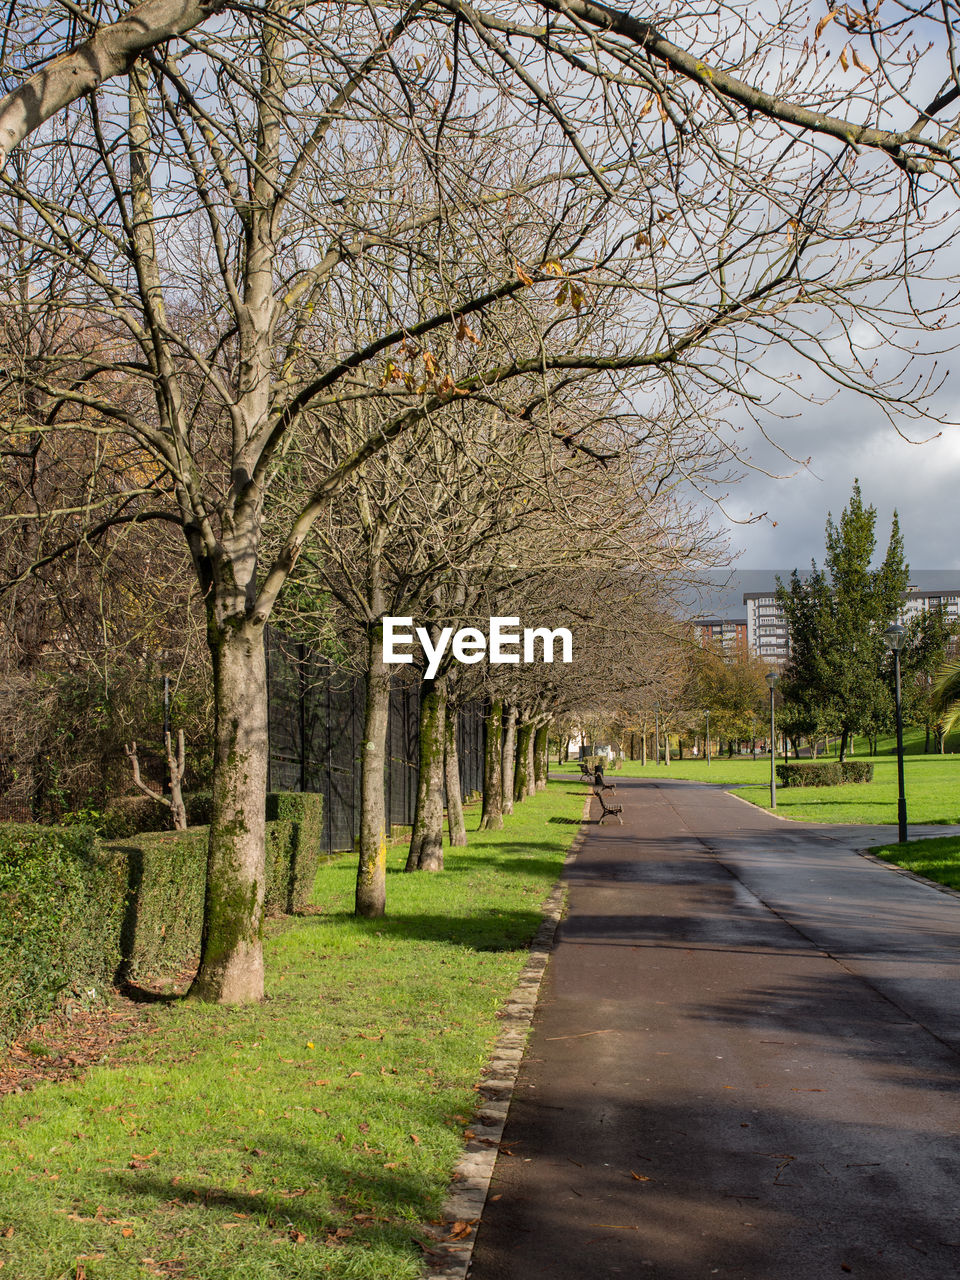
[
  {"x": 144, "y": 995},
  {"x": 486, "y": 930},
  {"x": 308, "y": 1165}
]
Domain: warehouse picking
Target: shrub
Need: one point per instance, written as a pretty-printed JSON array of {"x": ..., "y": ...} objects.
[
  {"x": 294, "y": 828},
  {"x": 73, "y": 907},
  {"x": 60, "y": 904},
  {"x": 199, "y": 808},
  {"x": 162, "y": 900},
  {"x": 824, "y": 773},
  {"x": 129, "y": 815}
]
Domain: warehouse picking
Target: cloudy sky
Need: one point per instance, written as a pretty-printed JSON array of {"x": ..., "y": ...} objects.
[
  {"x": 921, "y": 480},
  {"x": 849, "y": 437}
]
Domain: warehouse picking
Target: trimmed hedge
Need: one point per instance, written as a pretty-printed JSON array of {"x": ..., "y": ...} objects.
[
  {"x": 826, "y": 773},
  {"x": 76, "y": 911},
  {"x": 61, "y": 897},
  {"x": 294, "y": 828},
  {"x": 166, "y": 875}
]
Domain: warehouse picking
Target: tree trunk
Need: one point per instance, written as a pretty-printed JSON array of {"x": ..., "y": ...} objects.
[
  {"x": 451, "y": 774},
  {"x": 666, "y": 750},
  {"x": 531, "y": 761},
  {"x": 426, "y": 840},
  {"x": 491, "y": 818},
  {"x": 371, "y": 891},
  {"x": 541, "y": 759},
  {"x": 843, "y": 745},
  {"x": 231, "y": 965},
  {"x": 509, "y": 758},
  {"x": 521, "y": 776},
  {"x": 926, "y": 742},
  {"x": 643, "y": 746}
]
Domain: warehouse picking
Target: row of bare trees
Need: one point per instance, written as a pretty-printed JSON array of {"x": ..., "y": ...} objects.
[{"x": 377, "y": 254}]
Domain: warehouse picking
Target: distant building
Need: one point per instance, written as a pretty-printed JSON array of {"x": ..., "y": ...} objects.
[
  {"x": 730, "y": 633},
  {"x": 768, "y": 633},
  {"x": 916, "y": 602}
]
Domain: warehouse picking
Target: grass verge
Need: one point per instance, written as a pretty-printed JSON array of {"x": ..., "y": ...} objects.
[
  {"x": 932, "y": 785},
  {"x": 937, "y": 859},
  {"x": 312, "y": 1135}
]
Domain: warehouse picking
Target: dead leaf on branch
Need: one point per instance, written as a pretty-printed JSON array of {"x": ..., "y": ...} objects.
[
  {"x": 823, "y": 23},
  {"x": 465, "y": 333}
]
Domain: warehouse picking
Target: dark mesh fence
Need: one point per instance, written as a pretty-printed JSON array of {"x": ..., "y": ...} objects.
[
  {"x": 471, "y": 729},
  {"x": 315, "y": 722}
]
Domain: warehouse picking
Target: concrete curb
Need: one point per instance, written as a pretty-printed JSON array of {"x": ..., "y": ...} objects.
[
  {"x": 449, "y": 1259},
  {"x": 911, "y": 875}
]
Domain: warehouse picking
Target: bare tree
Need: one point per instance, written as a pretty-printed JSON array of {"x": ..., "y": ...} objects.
[
  {"x": 700, "y": 63},
  {"x": 697, "y": 222}
]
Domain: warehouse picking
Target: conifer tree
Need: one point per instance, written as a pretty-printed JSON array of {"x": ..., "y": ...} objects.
[{"x": 836, "y": 679}]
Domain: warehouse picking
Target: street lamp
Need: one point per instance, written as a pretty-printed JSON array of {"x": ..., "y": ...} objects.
[
  {"x": 708, "y": 738},
  {"x": 772, "y": 680},
  {"x": 894, "y": 638}
]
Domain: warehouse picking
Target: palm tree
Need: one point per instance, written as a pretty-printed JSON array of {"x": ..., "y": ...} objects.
[{"x": 945, "y": 698}]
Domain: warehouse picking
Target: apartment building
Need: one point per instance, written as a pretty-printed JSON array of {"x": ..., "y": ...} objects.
[
  {"x": 768, "y": 634},
  {"x": 731, "y": 633}
]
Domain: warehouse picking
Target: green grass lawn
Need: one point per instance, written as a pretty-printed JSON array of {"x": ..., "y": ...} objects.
[
  {"x": 936, "y": 859},
  {"x": 932, "y": 785},
  {"x": 312, "y": 1135}
]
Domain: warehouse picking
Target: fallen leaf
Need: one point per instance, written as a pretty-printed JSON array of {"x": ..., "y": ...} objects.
[
  {"x": 461, "y": 1229},
  {"x": 8, "y": 1233},
  {"x": 414, "y": 1139},
  {"x": 298, "y": 1237},
  {"x": 126, "y": 1231},
  {"x": 640, "y": 1177}
]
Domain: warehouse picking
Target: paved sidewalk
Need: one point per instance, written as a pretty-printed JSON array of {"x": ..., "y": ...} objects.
[{"x": 745, "y": 1061}]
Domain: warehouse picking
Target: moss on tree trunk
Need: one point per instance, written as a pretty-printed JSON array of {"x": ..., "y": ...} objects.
[
  {"x": 523, "y": 773},
  {"x": 456, "y": 826},
  {"x": 491, "y": 819},
  {"x": 371, "y": 890},
  {"x": 426, "y": 840},
  {"x": 541, "y": 762},
  {"x": 231, "y": 963},
  {"x": 509, "y": 757}
]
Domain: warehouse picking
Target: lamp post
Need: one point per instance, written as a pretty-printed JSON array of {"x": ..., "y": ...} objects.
[
  {"x": 772, "y": 680},
  {"x": 708, "y": 739},
  {"x": 894, "y": 638}
]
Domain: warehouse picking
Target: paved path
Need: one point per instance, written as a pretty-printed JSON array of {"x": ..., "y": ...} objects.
[{"x": 745, "y": 1062}]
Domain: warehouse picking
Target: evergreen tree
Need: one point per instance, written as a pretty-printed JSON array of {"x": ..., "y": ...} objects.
[{"x": 836, "y": 680}]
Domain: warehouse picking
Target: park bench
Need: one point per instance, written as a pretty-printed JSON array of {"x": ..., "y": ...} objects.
[{"x": 609, "y": 811}]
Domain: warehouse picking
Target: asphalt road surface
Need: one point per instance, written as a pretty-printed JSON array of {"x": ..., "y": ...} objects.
[{"x": 745, "y": 1062}]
